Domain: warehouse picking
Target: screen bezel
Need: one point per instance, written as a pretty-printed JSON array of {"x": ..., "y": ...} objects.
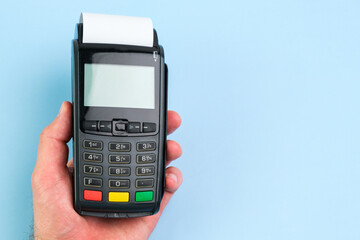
[{"x": 88, "y": 113}]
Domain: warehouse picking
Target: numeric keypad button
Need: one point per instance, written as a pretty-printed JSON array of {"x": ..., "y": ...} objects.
[
  {"x": 119, "y": 147},
  {"x": 92, "y": 182},
  {"x": 145, "y": 146},
  {"x": 145, "y": 171},
  {"x": 91, "y": 169},
  {"x": 119, "y": 183},
  {"x": 119, "y": 158},
  {"x": 92, "y": 157},
  {"x": 144, "y": 183},
  {"x": 145, "y": 158},
  {"x": 91, "y": 144},
  {"x": 119, "y": 171}
]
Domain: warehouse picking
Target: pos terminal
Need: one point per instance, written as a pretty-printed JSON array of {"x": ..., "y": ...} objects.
[{"x": 119, "y": 91}]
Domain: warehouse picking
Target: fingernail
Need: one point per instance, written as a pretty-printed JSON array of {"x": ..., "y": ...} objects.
[
  {"x": 173, "y": 176},
  {"x": 61, "y": 109}
]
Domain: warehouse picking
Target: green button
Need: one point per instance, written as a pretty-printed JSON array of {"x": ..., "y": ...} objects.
[{"x": 144, "y": 196}]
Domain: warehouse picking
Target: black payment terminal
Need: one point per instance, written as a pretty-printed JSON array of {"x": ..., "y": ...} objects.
[{"x": 119, "y": 116}]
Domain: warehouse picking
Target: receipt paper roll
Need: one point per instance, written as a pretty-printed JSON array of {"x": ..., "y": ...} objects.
[{"x": 114, "y": 29}]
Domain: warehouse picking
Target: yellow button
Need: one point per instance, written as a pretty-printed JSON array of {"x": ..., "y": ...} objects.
[{"x": 118, "y": 197}]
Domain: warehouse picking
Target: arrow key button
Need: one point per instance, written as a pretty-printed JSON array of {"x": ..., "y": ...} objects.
[{"x": 133, "y": 127}]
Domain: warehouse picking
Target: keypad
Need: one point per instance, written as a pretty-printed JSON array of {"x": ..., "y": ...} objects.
[{"x": 118, "y": 168}]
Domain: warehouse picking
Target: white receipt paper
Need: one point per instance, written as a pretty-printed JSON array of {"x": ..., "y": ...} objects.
[{"x": 114, "y": 29}]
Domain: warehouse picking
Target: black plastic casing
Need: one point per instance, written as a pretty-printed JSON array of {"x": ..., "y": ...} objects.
[{"x": 82, "y": 53}]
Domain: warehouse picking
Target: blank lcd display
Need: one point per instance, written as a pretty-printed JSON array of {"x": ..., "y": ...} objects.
[{"x": 114, "y": 85}]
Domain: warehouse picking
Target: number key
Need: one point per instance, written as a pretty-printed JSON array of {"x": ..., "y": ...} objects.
[
  {"x": 119, "y": 147},
  {"x": 145, "y": 158},
  {"x": 119, "y": 158},
  {"x": 92, "y": 157},
  {"x": 119, "y": 183},
  {"x": 91, "y": 169},
  {"x": 94, "y": 145},
  {"x": 145, "y": 146},
  {"x": 144, "y": 171},
  {"x": 119, "y": 171}
]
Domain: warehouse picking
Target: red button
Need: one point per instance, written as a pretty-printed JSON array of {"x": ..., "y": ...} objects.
[{"x": 92, "y": 195}]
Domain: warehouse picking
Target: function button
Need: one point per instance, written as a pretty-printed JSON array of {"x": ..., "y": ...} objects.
[
  {"x": 119, "y": 183},
  {"x": 145, "y": 146},
  {"x": 119, "y": 171},
  {"x": 144, "y": 196},
  {"x": 120, "y": 126},
  {"x": 119, "y": 147},
  {"x": 143, "y": 171},
  {"x": 91, "y": 195},
  {"x": 105, "y": 126},
  {"x": 119, "y": 196},
  {"x": 90, "y": 169},
  {"x": 149, "y": 127},
  {"x": 92, "y": 182},
  {"x": 145, "y": 158},
  {"x": 133, "y": 127},
  {"x": 144, "y": 183},
  {"x": 94, "y": 145},
  {"x": 90, "y": 125},
  {"x": 119, "y": 158},
  {"x": 92, "y": 157}
]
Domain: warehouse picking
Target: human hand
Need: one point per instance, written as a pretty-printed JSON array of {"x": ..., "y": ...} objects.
[{"x": 54, "y": 214}]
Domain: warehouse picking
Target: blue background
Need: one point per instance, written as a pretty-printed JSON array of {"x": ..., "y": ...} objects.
[{"x": 269, "y": 96}]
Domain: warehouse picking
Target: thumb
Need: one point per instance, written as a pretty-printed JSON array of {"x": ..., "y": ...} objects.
[{"x": 53, "y": 151}]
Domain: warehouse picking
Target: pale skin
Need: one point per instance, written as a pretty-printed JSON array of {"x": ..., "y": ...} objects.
[{"x": 54, "y": 215}]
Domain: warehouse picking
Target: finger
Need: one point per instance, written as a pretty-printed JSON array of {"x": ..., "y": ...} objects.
[
  {"x": 173, "y": 151},
  {"x": 173, "y": 180},
  {"x": 173, "y": 121},
  {"x": 70, "y": 163},
  {"x": 70, "y": 166},
  {"x": 53, "y": 151}
]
